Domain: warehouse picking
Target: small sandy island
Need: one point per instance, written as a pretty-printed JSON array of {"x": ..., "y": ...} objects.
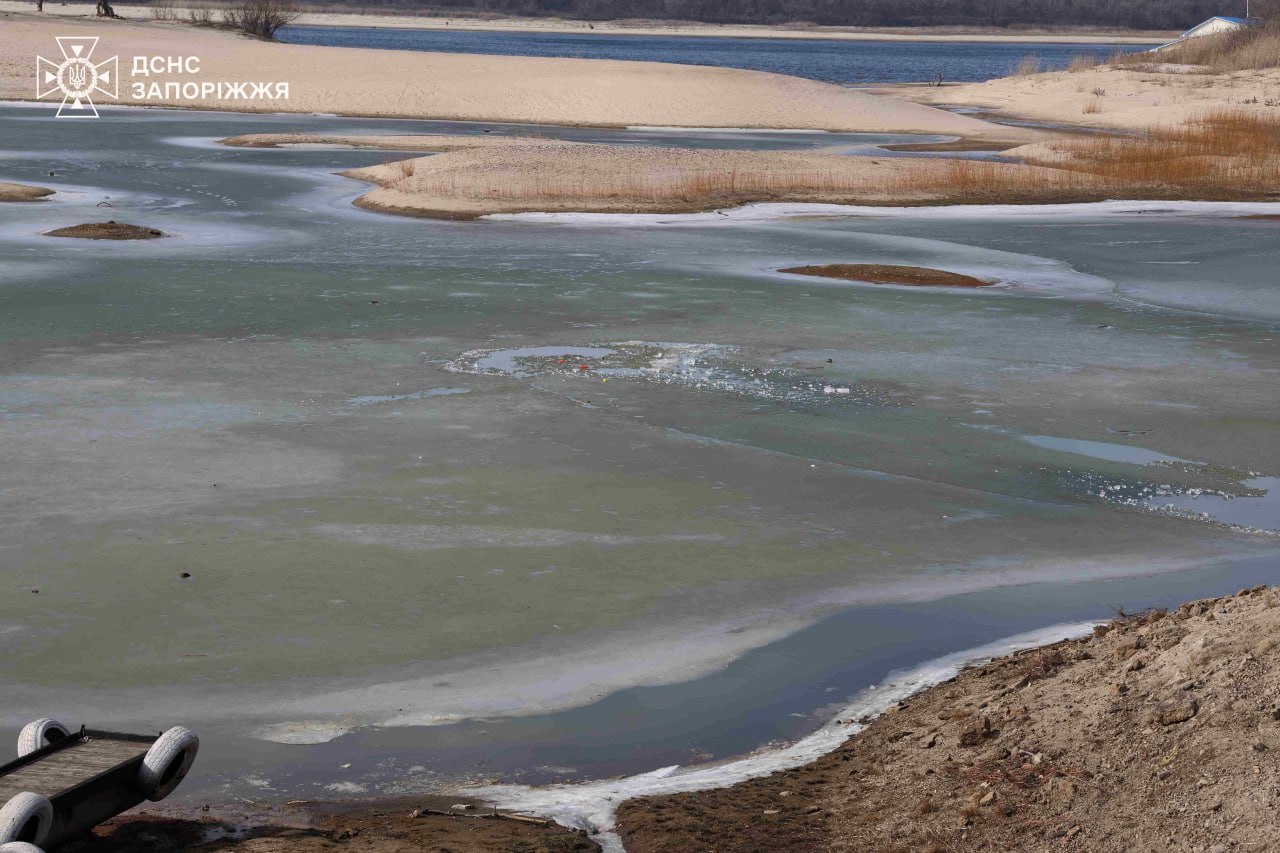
[
  {"x": 1155, "y": 733},
  {"x": 518, "y": 178},
  {"x": 109, "y": 230},
  {"x": 22, "y": 192},
  {"x": 890, "y": 274}
]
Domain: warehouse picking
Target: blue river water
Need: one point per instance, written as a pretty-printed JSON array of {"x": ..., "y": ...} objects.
[{"x": 830, "y": 60}]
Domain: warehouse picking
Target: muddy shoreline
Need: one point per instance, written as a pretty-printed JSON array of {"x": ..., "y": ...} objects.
[
  {"x": 1156, "y": 726},
  {"x": 389, "y": 825}
]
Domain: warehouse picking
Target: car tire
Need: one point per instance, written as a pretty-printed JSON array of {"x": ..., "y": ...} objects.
[
  {"x": 26, "y": 817},
  {"x": 39, "y": 734},
  {"x": 167, "y": 762},
  {"x": 19, "y": 847}
]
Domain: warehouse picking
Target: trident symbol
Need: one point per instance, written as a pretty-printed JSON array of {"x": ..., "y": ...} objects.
[{"x": 76, "y": 75}]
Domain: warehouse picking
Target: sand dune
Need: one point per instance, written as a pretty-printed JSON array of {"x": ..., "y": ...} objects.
[
  {"x": 1106, "y": 97},
  {"x": 470, "y": 87}
]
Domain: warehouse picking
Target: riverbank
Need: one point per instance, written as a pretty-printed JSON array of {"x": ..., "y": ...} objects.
[
  {"x": 1152, "y": 733},
  {"x": 408, "y": 84},
  {"x": 396, "y": 825},
  {"x": 640, "y": 27}
]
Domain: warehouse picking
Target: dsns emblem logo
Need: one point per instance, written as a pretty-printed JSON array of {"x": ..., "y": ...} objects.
[{"x": 76, "y": 77}]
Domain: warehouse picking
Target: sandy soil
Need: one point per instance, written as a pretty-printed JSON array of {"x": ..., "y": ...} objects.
[
  {"x": 22, "y": 192},
  {"x": 666, "y": 28},
  {"x": 110, "y": 230},
  {"x": 1157, "y": 733},
  {"x": 401, "y": 825},
  {"x": 1104, "y": 97},
  {"x": 352, "y": 81},
  {"x": 890, "y": 274}
]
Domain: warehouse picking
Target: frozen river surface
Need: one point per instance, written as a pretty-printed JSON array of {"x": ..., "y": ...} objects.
[{"x": 304, "y": 474}]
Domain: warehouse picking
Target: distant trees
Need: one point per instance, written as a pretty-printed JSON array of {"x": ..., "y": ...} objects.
[
  {"x": 1126, "y": 14},
  {"x": 260, "y": 17}
]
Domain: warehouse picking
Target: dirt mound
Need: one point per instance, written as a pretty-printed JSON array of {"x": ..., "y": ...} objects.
[
  {"x": 1156, "y": 733},
  {"x": 890, "y": 274},
  {"x": 110, "y": 230}
]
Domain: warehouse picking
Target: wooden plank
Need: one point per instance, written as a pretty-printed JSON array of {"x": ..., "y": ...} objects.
[{"x": 69, "y": 767}]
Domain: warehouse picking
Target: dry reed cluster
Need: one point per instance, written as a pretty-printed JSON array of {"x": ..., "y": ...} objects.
[
  {"x": 1224, "y": 53},
  {"x": 1224, "y": 152},
  {"x": 684, "y": 186},
  {"x": 1222, "y": 155}
]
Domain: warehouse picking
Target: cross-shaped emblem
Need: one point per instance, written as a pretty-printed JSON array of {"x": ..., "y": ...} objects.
[{"x": 77, "y": 77}]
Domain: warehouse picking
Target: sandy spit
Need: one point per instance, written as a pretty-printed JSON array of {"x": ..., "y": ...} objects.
[
  {"x": 1154, "y": 733},
  {"x": 349, "y": 81},
  {"x": 1107, "y": 97},
  {"x": 22, "y": 192}
]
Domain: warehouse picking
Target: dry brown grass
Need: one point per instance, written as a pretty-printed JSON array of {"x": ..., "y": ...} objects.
[
  {"x": 643, "y": 186},
  {"x": 401, "y": 173},
  {"x": 1029, "y": 66},
  {"x": 1243, "y": 50},
  {"x": 1221, "y": 155},
  {"x": 1224, "y": 152},
  {"x": 1083, "y": 62},
  {"x": 979, "y": 181}
]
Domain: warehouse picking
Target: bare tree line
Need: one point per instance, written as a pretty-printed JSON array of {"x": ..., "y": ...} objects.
[
  {"x": 1119, "y": 14},
  {"x": 1132, "y": 14}
]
